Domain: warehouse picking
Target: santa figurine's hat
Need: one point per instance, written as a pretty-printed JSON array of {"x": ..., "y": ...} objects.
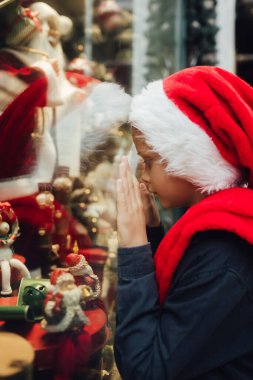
[
  {"x": 107, "y": 8},
  {"x": 199, "y": 120},
  {"x": 59, "y": 276},
  {"x": 76, "y": 263}
]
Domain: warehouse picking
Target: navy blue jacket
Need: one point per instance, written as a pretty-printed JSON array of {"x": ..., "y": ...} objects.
[{"x": 204, "y": 331}]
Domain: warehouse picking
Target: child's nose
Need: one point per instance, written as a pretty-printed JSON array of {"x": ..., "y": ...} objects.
[{"x": 145, "y": 178}]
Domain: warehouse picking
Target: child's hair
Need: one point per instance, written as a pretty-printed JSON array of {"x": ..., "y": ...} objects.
[{"x": 199, "y": 120}]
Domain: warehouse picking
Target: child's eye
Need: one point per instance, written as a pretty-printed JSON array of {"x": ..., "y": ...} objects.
[{"x": 147, "y": 161}]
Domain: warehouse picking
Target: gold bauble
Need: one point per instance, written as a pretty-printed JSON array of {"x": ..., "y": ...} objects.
[
  {"x": 62, "y": 183},
  {"x": 45, "y": 199}
]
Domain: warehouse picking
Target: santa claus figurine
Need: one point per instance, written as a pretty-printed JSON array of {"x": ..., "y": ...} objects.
[
  {"x": 82, "y": 271},
  {"x": 63, "y": 306},
  {"x": 110, "y": 16}
]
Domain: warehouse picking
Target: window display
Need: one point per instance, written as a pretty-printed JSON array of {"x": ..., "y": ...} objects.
[{"x": 64, "y": 123}]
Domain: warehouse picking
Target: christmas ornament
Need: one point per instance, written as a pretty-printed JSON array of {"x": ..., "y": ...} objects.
[
  {"x": 9, "y": 231},
  {"x": 62, "y": 306},
  {"x": 81, "y": 65},
  {"x": 62, "y": 185},
  {"x": 110, "y": 15},
  {"x": 46, "y": 212},
  {"x": 34, "y": 295},
  {"x": 82, "y": 271}
]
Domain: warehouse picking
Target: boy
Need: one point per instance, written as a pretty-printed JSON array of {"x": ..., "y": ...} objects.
[{"x": 188, "y": 313}]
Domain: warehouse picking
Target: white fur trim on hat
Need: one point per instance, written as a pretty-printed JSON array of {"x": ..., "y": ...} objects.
[
  {"x": 106, "y": 106},
  {"x": 186, "y": 149},
  {"x": 64, "y": 277}
]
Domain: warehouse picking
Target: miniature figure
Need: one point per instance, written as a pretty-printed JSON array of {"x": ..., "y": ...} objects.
[
  {"x": 63, "y": 304},
  {"x": 82, "y": 271},
  {"x": 9, "y": 231}
]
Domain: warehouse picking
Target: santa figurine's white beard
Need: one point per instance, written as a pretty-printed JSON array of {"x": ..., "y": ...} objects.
[{"x": 72, "y": 297}]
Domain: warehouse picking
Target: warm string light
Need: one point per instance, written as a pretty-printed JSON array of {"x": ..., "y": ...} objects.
[{"x": 75, "y": 248}]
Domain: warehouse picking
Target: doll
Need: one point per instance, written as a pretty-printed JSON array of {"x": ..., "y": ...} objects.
[
  {"x": 9, "y": 231},
  {"x": 62, "y": 307},
  {"x": 82, "y": 271}
]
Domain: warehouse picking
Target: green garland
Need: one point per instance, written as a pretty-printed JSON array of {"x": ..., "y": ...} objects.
[
  {"x": 159, "y": 51},
  {"x": 201, "y": 32}
]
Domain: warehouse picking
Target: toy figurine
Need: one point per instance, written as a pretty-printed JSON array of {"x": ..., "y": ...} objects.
[
  {"x": 62, "y": 306},
  {"x": 33, "y": 296},
  {"x": 9, "y": 231},
  {"x": 82, "y": 271}
]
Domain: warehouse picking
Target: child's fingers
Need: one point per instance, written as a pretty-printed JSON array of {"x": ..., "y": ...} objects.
[
  {"x": 143, "y": 188},
  {"x": 145, "y": 195},
  {"x": 134, "y": 190},
  {"x": 122, "y": 170},
  {"x": 121, "y": 196},
  {"x": 137, "y": 192},
  {"x": 130, "y": 184}
]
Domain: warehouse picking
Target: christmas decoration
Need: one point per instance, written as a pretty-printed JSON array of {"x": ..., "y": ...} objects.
[
  {"x": 62, "y": 307},
  {"x": 159, "y": 35},
  {"x": 82, "y": 271},
  {"x": 46, "y": 209},
  {"x": 63, "y": 312},
  {"x": 33, "y": 295},
  {"x": 9, "y": 230},
  {"x": 109, "y": 15},
  {"x": 201, "y": 32}
]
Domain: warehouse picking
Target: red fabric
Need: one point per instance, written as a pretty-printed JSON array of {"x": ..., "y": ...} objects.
[
  {"x": 73, "y": 355},
  {"x": 222, "y": 105},
  {"x": 6, "y": 213},
  {"x": 29, "y": 212},
  {"x": 230, "y": 210},
  {"x": 65, "y": 367},
  {"x": 72, "y": 259},
  {"x": 18, "y": 120},
  {"x": 56, "y": 274},
  {"x": 17, "y": 123},
  {"x": 57, "y": 298},
  {"x": 12, "y": 66},
  {"x": 80, "y": 80}
]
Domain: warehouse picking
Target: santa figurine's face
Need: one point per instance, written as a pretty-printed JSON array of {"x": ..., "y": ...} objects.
[{"x": 67, "y": 285}]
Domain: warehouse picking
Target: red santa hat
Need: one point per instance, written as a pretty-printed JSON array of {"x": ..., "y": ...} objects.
[
  {"x": 59, "y": 276},
  {"x": 199, "y": 120},
  {"x": 9, "y": 227},
  {"x": 76, "y": 263}
]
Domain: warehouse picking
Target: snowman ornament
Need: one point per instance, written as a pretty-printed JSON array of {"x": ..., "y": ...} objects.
[{"x": 9, "y": 231}]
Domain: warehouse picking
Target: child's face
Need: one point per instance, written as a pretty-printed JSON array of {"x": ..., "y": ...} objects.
[{"x": 172, "y": 191}]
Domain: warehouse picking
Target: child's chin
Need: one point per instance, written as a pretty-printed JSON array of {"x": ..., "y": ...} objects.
[{"x": 165, "y": 203}]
